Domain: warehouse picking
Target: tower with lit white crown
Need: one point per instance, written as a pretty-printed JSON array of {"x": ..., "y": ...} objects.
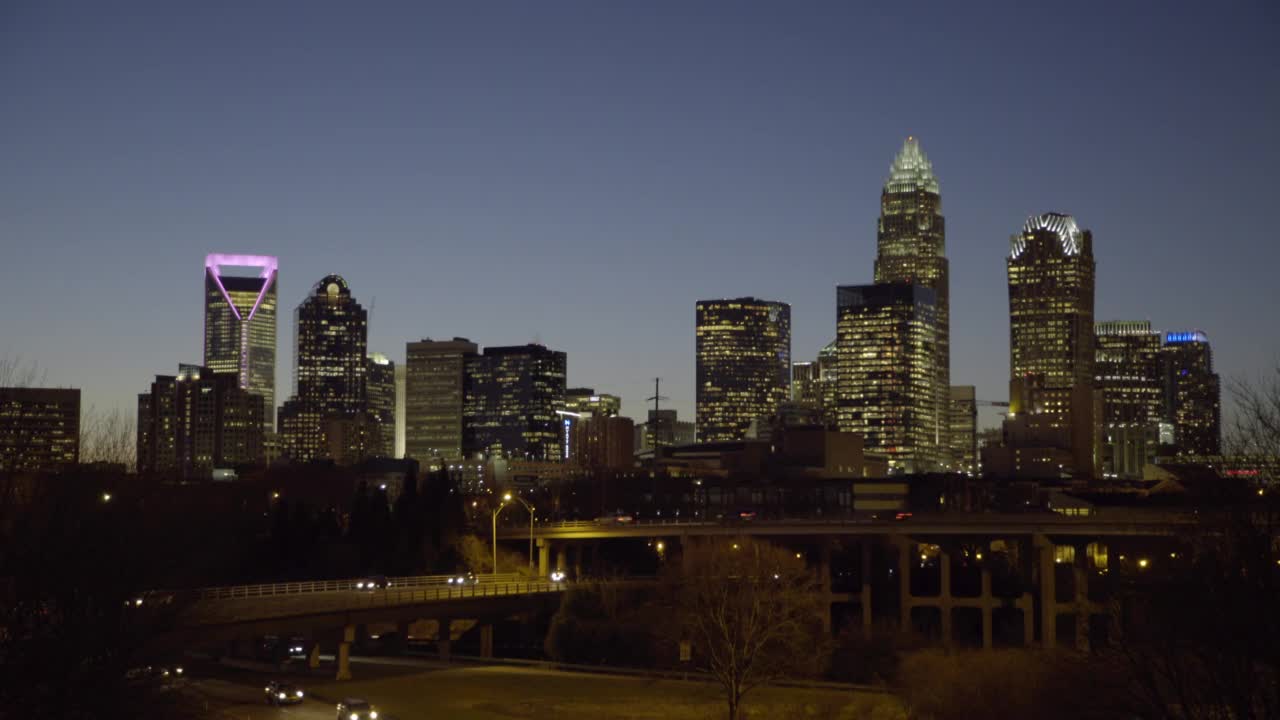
[{"x": 911, "y": 249}]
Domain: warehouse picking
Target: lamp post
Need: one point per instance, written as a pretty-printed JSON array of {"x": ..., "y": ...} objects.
[{"x": 506, "y": 498}]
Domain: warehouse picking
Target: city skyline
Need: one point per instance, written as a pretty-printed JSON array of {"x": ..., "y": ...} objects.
[{"x": 1170, "y": 170}]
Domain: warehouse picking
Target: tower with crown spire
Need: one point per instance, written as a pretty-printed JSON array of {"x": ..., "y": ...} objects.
[{"x": 911, "y": 249}]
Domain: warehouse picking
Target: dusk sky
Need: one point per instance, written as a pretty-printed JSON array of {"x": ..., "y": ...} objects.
[{"x": 579, "y": 174}]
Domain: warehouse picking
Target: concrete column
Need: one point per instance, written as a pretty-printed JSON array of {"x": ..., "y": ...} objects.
[
  {"x": 987, "y": 600},
  {"x": 444, "y": 638},
  {"x": 1081, "y": 606},
  {"x": 561, "y": 563},
  {"x": 344, "y": 652},
  {"x": 866, "y": 589},
  {"x": 486, "y": 641},
  {"x": 1028, "y": 621},
  {"x": 824, "y": 585},
  {"x": 904, "y": 583},
  {"x": 685, "y": 558},
  {"x": 544, "y": 558},
  {"x": 944, "y": 596},
  {"x": 1048, "y": 594},
  {"x": 576, "y": 555},
  {"x": 313, "y": 659}
]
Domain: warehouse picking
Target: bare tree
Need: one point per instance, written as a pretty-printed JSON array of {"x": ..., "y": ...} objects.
[
  {"x": 1255, "y": 429},
  {"x": 752, "y": 613},
  {"x": 16, "y": 373},
  {"x": 107, "y": 437}
]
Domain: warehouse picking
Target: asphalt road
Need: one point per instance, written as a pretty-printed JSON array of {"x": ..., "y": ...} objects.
[{"x": 238, "y": 700}]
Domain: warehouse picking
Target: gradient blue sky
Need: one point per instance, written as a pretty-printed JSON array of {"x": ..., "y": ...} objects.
[{"x": 581, "y": 173}]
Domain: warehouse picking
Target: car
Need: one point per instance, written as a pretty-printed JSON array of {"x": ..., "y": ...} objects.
[
  {"x": 902, "y": 516},
  {"x": 466, "y": 578},
  {"x": 619, "y": 518},
  {"x": 557, "y": 576},
  {"x": 283, "y": 693},
  {"x": 373, "y": 582},
  {"x": 356, "y": 709}
]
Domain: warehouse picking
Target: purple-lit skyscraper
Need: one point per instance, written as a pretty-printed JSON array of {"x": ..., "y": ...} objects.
[{"x": 240, "y": 325}]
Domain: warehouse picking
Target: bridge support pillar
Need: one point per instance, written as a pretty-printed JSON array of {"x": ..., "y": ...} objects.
[
  {"x": 544, "y": 558},
  {"x": 944, "y": 596},
  {"x": 486, "y": 641},
  {"x": 824, "y": 585},
  {"x": 576, "y": 554},
  {"x": 866, "y": 589},
  {"x": 313, "y": 658},
  {"x": 562, "y": 563},
  {"x": 1048, "y": 593},
  {"x": 344, "y": 652},
  {"x": 904, "y": 582},
  {"x": 987, "y": 601},
  {"x": 1081, "y": 604},
  {"x": 444, "y": 638}
]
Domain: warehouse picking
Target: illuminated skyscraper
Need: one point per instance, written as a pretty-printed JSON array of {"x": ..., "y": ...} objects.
[
  {"x": 240, "y": 326},
  {"x": 1052, "y": 403},
  {"x": 513, "y": 396},
  {"x": 806, "y": 387},
  {"x": 330, "y": 364},
  {"x": 197, "y": 421},
  {"x": 1128, "y": 379},
  {"x": 587, "y": 400},
  {"x": 886, "y": 345},
  {"x": 1192, "y": 393},
  {"x": 743, "y": 364},
  {"x": 39, "y": 429},
  {"x": 380, "y": 391},
  {"x": 911, "y": 248},
  {"x": 963, "y": 435},
  {"x": 434, "y": 397}
]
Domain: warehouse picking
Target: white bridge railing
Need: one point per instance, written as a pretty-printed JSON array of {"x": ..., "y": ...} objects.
[{"x": 394, "y": 584}]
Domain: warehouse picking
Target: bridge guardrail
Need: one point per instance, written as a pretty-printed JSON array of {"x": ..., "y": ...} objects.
[
  {"x": 1119, "y": 518},
  {"x": 315, "y": 586}
]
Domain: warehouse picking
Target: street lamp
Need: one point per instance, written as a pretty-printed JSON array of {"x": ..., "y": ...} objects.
[{"x": 506, "y": 498}]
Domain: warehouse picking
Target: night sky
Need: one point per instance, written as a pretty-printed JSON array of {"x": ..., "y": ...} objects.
[{"x": 580, "y": 174}]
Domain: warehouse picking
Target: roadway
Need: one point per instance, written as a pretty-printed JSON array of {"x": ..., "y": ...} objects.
[
  {"x": 403, "y": 688},
  {"x": 1106, "y": 523},
  {"x": 251, "y": 603}
]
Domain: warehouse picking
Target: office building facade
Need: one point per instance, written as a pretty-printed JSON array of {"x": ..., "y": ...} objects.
[
  {"x": 434, "y": 395},
  {"x": 1192, "y": 393},
  {"x": 380, "y": 394},
  {"x": 588, "y": 401},
  {"x": 195, "y": 422},
  {"x": 512, "y": 402},
  {"x": 240, "y": 326},
  {"x": 962, "y": 436},
  {"x": 39, "y": 429},
  {"x": 330, "y": 365},
  {"x": 743, "y": 372},
  {"x": 886, "y": 336},
  {"x": 911, "y": 245},
  {"x": 1051, "y": 429},
  {"x": 1128, "y": 380}
]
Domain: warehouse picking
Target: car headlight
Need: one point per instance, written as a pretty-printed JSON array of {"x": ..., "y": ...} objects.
[
  {"x": 179, "y": 671},
  {"x": 299, "y": 693},
  {"x": 281, "y": 696},
  {"x": 355, "y": 716},
  {"x": 373, "y": 714}
]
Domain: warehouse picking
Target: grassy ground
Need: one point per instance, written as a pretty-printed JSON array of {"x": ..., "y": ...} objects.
[{"x": 505, "y": 693}]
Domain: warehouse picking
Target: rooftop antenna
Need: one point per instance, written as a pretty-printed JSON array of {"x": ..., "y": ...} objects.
[{"x": 657, "y": 396}]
